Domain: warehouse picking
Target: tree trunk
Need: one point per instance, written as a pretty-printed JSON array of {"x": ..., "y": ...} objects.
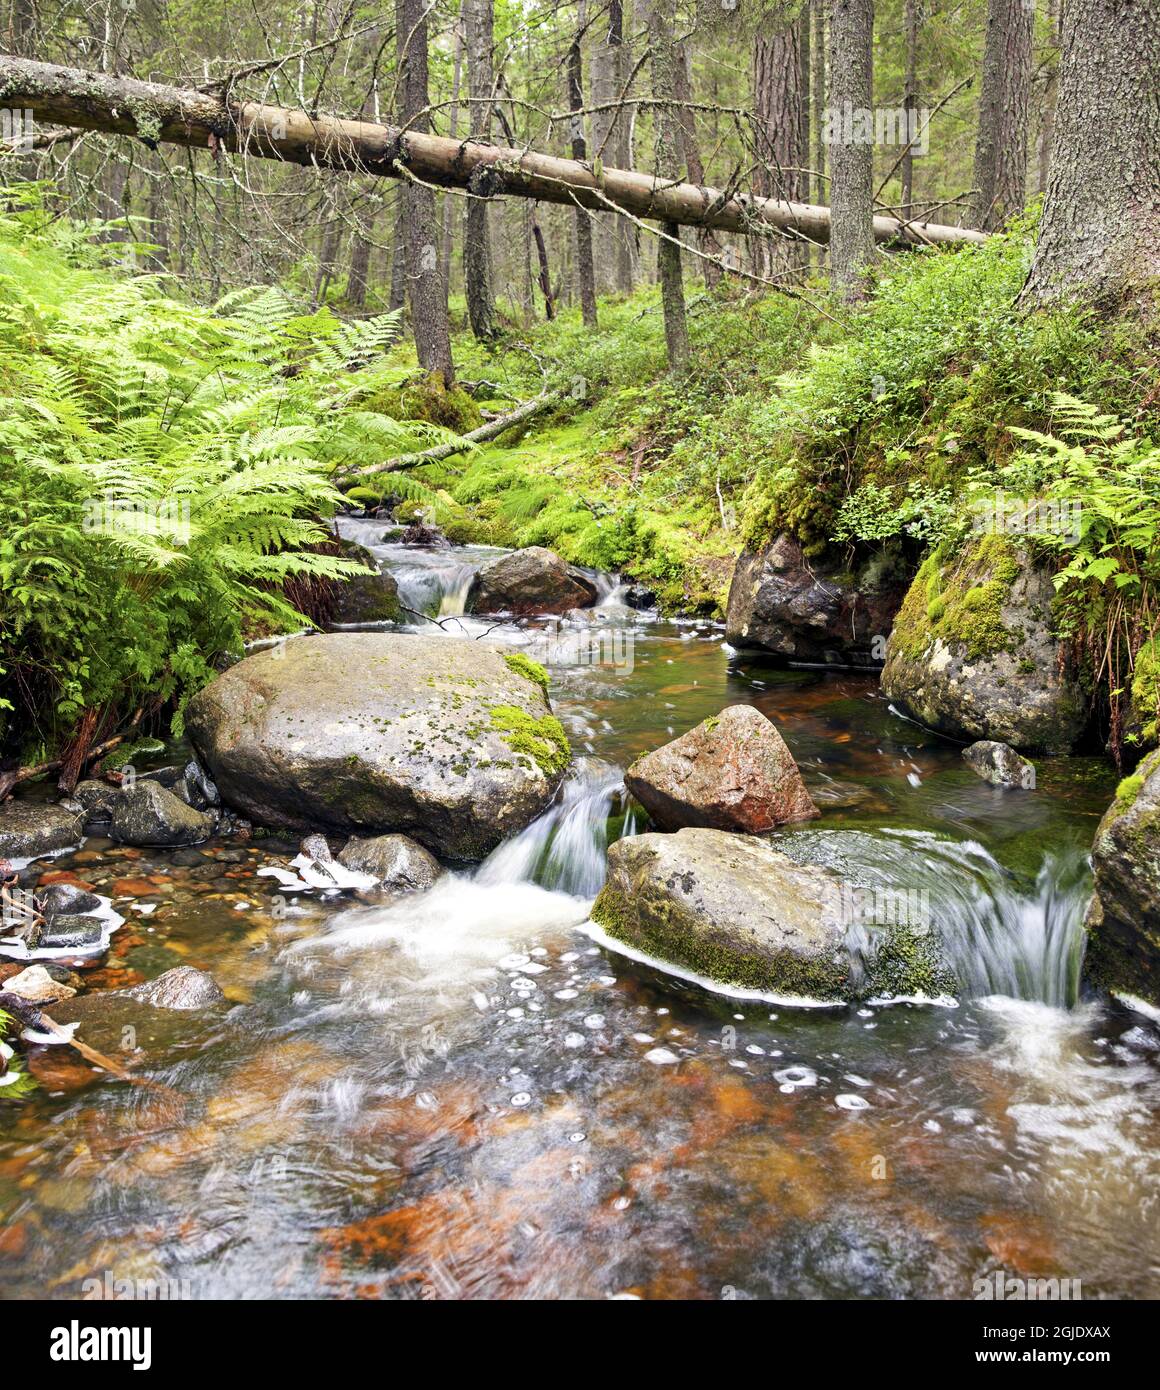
[
  {"x": 910, "y": 104},
  {"x": 398, "y": 297},
  {"x": 781, "y": 149},
  {"x": 449, "y": 203},
  {"x": 819, "y": 81},
  {"x": 615, "y": 236},
  {"x": 359, "y": 271},
  {"x": 479, "y": 19},
  {"x": 1099, "y": 239},
  {"x": 585, "y": 266},
  {"x": 1000, "y": 176},
  {"x": 1050, "y": 97},
  {"x": 851, "y": 131},
  {"x": 426, "y": 289},
  {"x": 202, "y": 120},
  {"x": 666, "y": 170},
  {"x": 691, "y": 151}
]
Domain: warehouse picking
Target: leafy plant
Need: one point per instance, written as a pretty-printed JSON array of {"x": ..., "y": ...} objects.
[
  {"x": 166, "y": 470},
  {"x": 14, "y": 1081},
  {"x": 1104, "y": 484}
]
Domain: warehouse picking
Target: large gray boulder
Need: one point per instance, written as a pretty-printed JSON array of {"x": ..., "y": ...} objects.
[
  {"x": 375, "y": 733},
  {"x": 529, "y": 581},
  {"x": 731, "y": 772},
  {"x": 29, "y": 829},
  {"x": 1123, "y": 921},
  {"x": 815, "y": 610},
  {"x": 149, "y": 814},
  {"x": 734, "y": 910},
  {"x": 974, "y": 653}
]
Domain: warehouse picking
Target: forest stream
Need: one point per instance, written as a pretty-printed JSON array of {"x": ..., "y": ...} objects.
[{"x": 466, "y": 1093}]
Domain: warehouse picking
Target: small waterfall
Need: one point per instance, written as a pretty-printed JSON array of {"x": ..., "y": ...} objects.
[
  {"x": 1001, "y": 934},
  {"x": 565, "y": 848},
  {"x": 432, "y": 581}
]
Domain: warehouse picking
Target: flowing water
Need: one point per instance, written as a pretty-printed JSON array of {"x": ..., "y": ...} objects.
[{"x": 461, "y": 1095}]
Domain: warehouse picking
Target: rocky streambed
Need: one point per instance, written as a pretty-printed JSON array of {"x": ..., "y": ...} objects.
[{"x": 470, "y": 1089}]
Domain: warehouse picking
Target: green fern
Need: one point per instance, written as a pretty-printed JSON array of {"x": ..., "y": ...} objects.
[{"x": 164, "y": 469}]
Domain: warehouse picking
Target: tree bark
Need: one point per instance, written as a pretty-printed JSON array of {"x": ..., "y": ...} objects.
[
  {"x": 1000, "y": 177},
  {"x": 851, "y": 151},
  {"x": 615, "y": 236},
  {"x": 781, "y": 148},
  {"x": 426, "y": 289},
  {"x": 96, "y": 101},
  {"x": 910, "y": 104},
  {"x": 449, "y": 204},
  {"x": 585, "y": 265},
  {"x": 478, "y": 17},
  {"x": 691, "y": 150},
  {"x": 666, "y": 171},
  {"x": 1099, "y": 239},
  {"x": 1050, "y": 97}
]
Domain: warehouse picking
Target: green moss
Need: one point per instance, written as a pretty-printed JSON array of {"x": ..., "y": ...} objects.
[
  {"x": 659, "y": 928},
  {"x": 428, "y": 399},
  {"x": 1127, "y": 792},
  {"x": 531, "y": 670},
  {"x": 906, "y": 960},
  {"x": 541, "y": 738},
  {"x": 1146, "y": 691},
  {"x": 961, "y": 602}
]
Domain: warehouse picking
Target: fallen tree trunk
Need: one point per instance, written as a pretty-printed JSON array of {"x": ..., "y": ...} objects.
[
  {"x": 206, "y": 119},
  {"x": 487, "y": 431}
]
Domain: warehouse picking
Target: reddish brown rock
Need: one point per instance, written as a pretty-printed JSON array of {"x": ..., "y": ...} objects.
[{"x": 732, "y": 772}]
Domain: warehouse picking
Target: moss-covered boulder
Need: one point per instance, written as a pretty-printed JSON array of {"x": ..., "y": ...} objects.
[
  {"x": 974, "y": 653},
  {"x": 29, "y": 829},
  {"x": 730, "y": 772},
  {"x": 379, "y": 733},
  {"x": 365, "y": 598},
  {"x": 814, "y": 610},
  {"x": 1123, "y": 921},
  {"x": 1142, "y": 716},
  {"x": 734, "y": 910}
]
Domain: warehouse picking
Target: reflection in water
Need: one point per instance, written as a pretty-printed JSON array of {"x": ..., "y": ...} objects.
[{"x": 457, "y": 1095}]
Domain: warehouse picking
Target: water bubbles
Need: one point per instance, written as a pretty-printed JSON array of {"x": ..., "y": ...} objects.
[
  {"x": 851, "y": 1102},
  {"x": 516, "y": 961},
  {"x": 661, "y": 1057},
  {"x": 643, "y": 1038},
  {"x": 575, "y": 1040},
  {"x": 755, "y": 1050},
  {"x": 856, "y": 1080},
  {"x": 577, "y": 1137},
  {"x": 567, "y": 993},
  {"x": 515, "y": 1013},
  {"x": 594, "y": 1021},
  {"x": 520, "y": 1099},
  {"x": 790, "y": 1078}
]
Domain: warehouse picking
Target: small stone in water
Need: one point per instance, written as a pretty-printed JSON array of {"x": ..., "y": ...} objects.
[{"x": 852, "y": 1102}]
